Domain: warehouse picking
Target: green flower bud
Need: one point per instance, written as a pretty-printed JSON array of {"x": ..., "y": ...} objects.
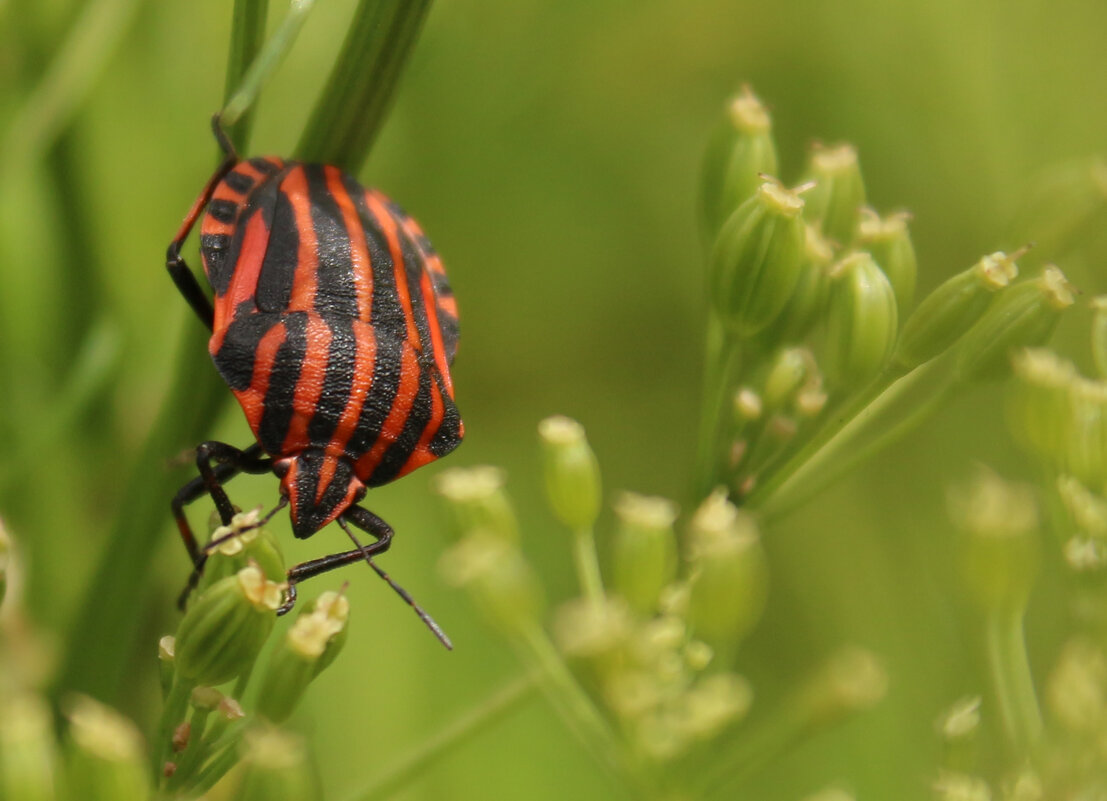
[
  {"x": 476, "y": 498},
  {"x": 644, "y": 551},
  {"x": 1099, "y": 334},
  {"x": 105, "y": 755},
  {"x": 740, "y": 151},
  {"x": 730, "y": 575},
  {"x": 954, "y": 786},
  {"x": 959, "y": 729},
  {"x": 241, "y": 543},
  {"x": 499, "y": 578},
  {"x": 712, "y": 704},
  {"x": 889, "y": 243},
  {"x": 28, "y": 758},
  {"x": 808, "y": 300},
  {"x": 999, "y": 553},
  {"x": 953, "y": 308},
  {"x": 853, "y": 679},
  {"x": 572, "y": 472},
  {"x": 275, "y": 767},
  {"x": 839, "y": 191},
  {"x": 1077, "y": 688},
  {"x": 1085, "y": 454},
  {"x": 299, "y": 657},
  {"x": 223, "y": 631},
  {"x": 1023, "y": 316},
  {"x": 166, "y": 662},
  {"x": 1041, "y": 401},
  {"x": 861, "y": 321},
  {"x": 587, "y": 630},
  {"x": 787, "y": 373},
  {"x": 757, "y": 259}
]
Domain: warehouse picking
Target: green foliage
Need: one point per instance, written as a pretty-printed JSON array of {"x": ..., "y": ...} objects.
[{"x": 550, "y": 151}]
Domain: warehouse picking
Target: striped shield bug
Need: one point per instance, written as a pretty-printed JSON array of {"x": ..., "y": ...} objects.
[{"x": 334, "y": 325}]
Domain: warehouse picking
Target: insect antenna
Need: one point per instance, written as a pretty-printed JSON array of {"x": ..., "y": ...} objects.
[{"x": 426, "y": 618}]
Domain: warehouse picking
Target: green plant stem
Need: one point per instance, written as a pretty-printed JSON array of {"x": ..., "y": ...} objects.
[
  {"x": 853, "y": 438},
  {"x": 172, "y": 716},
  {"x": 1011, "y": 679},
  {"x": 349, "y": 112},
  {"x": 588, "y": 565},
  {"x": 247, "y": 35},
  {"x": 575, "y": 707},
  {"x": 719, "y": 367},
  {"x": 403, "y": 771}
]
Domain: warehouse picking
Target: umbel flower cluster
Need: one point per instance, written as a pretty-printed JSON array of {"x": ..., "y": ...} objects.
[
  {"x": 813, "y": 320},
  {"x": 642, "y": 664},
  {"x": 220, "y": 735},
  {"x": 1050, "y": 733}
]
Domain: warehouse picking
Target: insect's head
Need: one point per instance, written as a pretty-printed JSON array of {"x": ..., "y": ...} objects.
[{"x": 319, "y": 487}]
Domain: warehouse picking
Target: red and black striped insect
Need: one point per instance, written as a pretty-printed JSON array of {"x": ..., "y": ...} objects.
[{"x": 335, "y": 327}]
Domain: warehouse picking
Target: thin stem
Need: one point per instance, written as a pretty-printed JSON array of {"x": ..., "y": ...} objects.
[
  {"x": 247, "y": 35},
  {"x": 350, "y": 111},
  {"x": 172, "y": 716},
  {"x": 851, "y": 440},
  {"x": 588, "y": 565},
  {"x": 438, "y": 746},
  {"x": 720, "y": 365},
  {"x": 239, "y": 108},
  {"x": 1012, "y": 681}
]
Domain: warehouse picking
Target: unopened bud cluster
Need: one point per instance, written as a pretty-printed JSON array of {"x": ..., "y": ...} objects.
[
  {"x": 650, "y": 643},
  {"x": 814, "y": 268},
  {"x": 211, "y": 729}
]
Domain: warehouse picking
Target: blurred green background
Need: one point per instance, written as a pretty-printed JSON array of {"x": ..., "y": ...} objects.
[{"x": 551, "y": 150}]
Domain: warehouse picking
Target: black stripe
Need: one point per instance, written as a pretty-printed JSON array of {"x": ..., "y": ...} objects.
[
  {"x": 335, "y": 292},
  {"x": 278, "y": 269},
  {"x": 279, "y": 395},
  {"x": 401, "y": 449},
  {"x": 424, "y": 244},
  {"x": 238, "y": 353},
  {"x": 239, "y": 182},
  {"x": 264, "y": 165},
  {"x": 448, "y": 435},
  {"x": 387, "y": 319},
  {"x": 414, "y": 269},
  {"x": 223, "y": 210},
  {"x": 337, "y": 381},
  {"x": 215, "y": 248}
]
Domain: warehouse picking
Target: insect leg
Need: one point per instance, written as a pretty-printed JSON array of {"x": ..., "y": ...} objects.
[
  {"x": 182, "y": 276},
  {"x": 218, "y": 463}
]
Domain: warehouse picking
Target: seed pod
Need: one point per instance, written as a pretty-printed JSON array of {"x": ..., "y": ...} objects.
[
  {"x": 644, "y": 551},
  {"x": 999, "y": 554},
  {"x": 757, "y": 258},
  {"x": 730, "y": 578},
  {"x": 241, "y": 543},
  {"x": 808, "y": 300},
  {"x": 740, "y": 151},
  {"x": 889, "y": 243},
  {"x": 861, "y": 321},
  {"x": 572, "y": 472},
  {"x": 223, "y": 631},
  {"x": 1041, "y": 401},
  {"x": 476, "y": 498},
  {"x": 309, "y": 646},
  {"x": 1022, "y": 317},
  {"x": 275, "y": 767},
  {"x": 839, "y": 193},
  {"x": 105, "y": 754},
  {"x": 787, "y": 373},
  {"x": 943, "y": 316}
]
